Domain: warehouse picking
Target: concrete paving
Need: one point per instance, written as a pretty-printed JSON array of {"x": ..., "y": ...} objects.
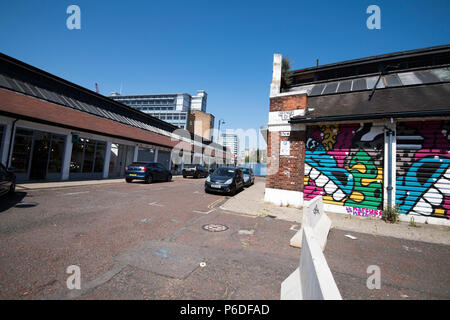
[{"x": 251, "y": 201}]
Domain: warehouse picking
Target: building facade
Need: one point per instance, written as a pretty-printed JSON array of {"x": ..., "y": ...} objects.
[
  {"x": 231, "y": 141},
  {"x": 201, "y": 124},
  {"x": 366, "y": 135},
  {"x": 52, "y": 129},
  {"x": 171, "y": 108}
]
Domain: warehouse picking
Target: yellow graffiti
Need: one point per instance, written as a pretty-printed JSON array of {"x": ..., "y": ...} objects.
[
  {"x": 329, "y": 199},
  {"x": 357, "y": 196},
  {"x": 439, "y": 211},
  {"x": 379, "y": 178},
  {"x": 329, "y": 136}
]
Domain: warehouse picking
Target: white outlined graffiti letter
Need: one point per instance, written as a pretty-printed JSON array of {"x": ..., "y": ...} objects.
[
  {"x": 374, "y": 20},
  {"x": 374, "y": 280},
  {"x": 74, "y": 20},
  {"x": 74, "y": 280}
]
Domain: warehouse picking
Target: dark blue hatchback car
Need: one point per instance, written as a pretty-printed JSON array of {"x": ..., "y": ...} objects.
[{"x": 148, "y": 172}]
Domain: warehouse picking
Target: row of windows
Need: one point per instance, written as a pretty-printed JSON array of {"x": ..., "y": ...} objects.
[
  {"x": 154, "y": 108},
  {"x": 148, "y": 102},
  {"x": 169, "y": 116}
]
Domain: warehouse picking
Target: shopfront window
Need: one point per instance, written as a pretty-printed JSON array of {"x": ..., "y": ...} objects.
[
  {"x": 56, "y": 154},
  {"x": 99, "y": 157},
  {"x": 1, "y": 139},
  {"x": 22, "y": 148},
  {"x": 88, "y": 156}
]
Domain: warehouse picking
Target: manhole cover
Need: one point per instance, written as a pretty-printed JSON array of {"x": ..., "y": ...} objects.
[
  {"x": 215, "y": 227},
  {"x": 26, "y": 204}
]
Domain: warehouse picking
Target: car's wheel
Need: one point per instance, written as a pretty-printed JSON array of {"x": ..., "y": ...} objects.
[
  {"x": 12, "y": 188},
  {"x": 169, "y": 178},
  {"x": 128, "y": 180},
  {"x": 233, "y": 191},
  {"x": 148, "y": 179}
]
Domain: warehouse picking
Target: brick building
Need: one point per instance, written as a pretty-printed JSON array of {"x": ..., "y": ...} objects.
[
  {"x": 201, "y": 124},
  {"x": 52, "y": 129},
  {"x": 365, "y": 134}
]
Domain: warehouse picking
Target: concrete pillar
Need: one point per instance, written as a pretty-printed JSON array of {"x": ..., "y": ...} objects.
[
  {"x": 67, "y": 157},
  {"x": 135, "y": 155},
  {"x": 156, "y": 156},
  {"x": 107, "y": 160},
  {"x": 275, "y": 86},
  {"x": 170, "y": 162},
  {"x": 5, "y": 143}
]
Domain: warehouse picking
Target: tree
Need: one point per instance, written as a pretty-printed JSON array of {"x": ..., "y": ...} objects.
[{"x": 286, "y": 73}]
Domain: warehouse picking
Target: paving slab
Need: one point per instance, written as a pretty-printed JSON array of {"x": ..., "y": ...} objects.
[{"x": 163, "y": 258}]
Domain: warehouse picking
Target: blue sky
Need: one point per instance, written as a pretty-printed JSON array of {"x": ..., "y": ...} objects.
[{"x": 223, "y": 47}]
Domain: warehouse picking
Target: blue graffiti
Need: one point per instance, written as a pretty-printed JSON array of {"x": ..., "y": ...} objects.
[
  {"x": 325, "y": 163},
  {"x": 420, "y": 177}
]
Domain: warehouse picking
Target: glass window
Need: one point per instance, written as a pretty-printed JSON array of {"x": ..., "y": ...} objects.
[
  {"x": 22, "y": 149},
  {"x": 56, "y": 154},
  {"x": 1, "y": 139},
  {"x": 99, "y": 156},
  {"x": 89, "y": 152},
  {"x": 77, "y": 157}
]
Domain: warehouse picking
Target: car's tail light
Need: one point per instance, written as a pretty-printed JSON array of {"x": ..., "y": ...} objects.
[{"x": 143, "y": 169}]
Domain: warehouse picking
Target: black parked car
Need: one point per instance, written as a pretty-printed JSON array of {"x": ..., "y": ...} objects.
[
  {"x": 226, "y": 180},
  {"x": 7, "y": 180},
  {"x": 249, "y": 177},
  {"x": 148, "y": 172},
  {"x": 195, "y": 170}
]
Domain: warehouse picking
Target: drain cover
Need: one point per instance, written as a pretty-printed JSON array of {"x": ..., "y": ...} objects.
[
  {"x": 215, "y": 227},
  {"x": 26, "y": 204}
]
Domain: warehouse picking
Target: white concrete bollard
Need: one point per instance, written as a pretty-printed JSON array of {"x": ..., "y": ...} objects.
[
  {"x": 314, "y": 216},
  {"x": 313, "y": 279}
]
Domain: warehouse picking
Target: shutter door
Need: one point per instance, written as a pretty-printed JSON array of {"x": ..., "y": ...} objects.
[
  {"x": 164, "y": 158},
  {"x": 423, "y": 162},
  {"x": 344, "y": 164}
]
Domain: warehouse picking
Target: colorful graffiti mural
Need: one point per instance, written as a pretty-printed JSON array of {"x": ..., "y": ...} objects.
[
  {"x": 344, "y": 164},
  {"x": 423, "y": 168}
]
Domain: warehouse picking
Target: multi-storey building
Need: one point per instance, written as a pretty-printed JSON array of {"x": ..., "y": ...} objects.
[
  {"x": 230, "y": 140},
  {"x": 172, "y": 108}
]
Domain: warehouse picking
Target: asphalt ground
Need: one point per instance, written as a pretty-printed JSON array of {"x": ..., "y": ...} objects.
[{"x": 165, "y": 241}]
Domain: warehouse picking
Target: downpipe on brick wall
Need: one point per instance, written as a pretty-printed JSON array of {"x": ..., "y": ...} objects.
[{"x": 390, "y": 134}]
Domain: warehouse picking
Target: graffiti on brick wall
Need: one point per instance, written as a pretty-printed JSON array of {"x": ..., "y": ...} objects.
[
  {"x": 344, "y": 164},
  {"x": 423, "y": 168}
]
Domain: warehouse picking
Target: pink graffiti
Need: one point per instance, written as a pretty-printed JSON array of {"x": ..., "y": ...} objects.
[
  {"x": 310, "y": 191},
  {"x": 343, "y": 143},
  {"x": 433, "y": 136},
  {"x": 364, "y": 212}
]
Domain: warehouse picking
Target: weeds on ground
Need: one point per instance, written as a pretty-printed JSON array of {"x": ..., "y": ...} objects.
[
  {"x": 412, "y": 223},
  {"x": 391, "y": 214}
]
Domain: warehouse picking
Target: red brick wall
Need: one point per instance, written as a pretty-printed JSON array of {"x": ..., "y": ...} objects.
[
  {"x": 288, "y": 103},
  {"x": 286, "y": 172}
]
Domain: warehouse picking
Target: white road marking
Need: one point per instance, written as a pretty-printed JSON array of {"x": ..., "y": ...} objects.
[
  {"x": 72, "y": 193},
  {"x": 156, "y": 204},
  {"x": 202, "y": 212}
]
